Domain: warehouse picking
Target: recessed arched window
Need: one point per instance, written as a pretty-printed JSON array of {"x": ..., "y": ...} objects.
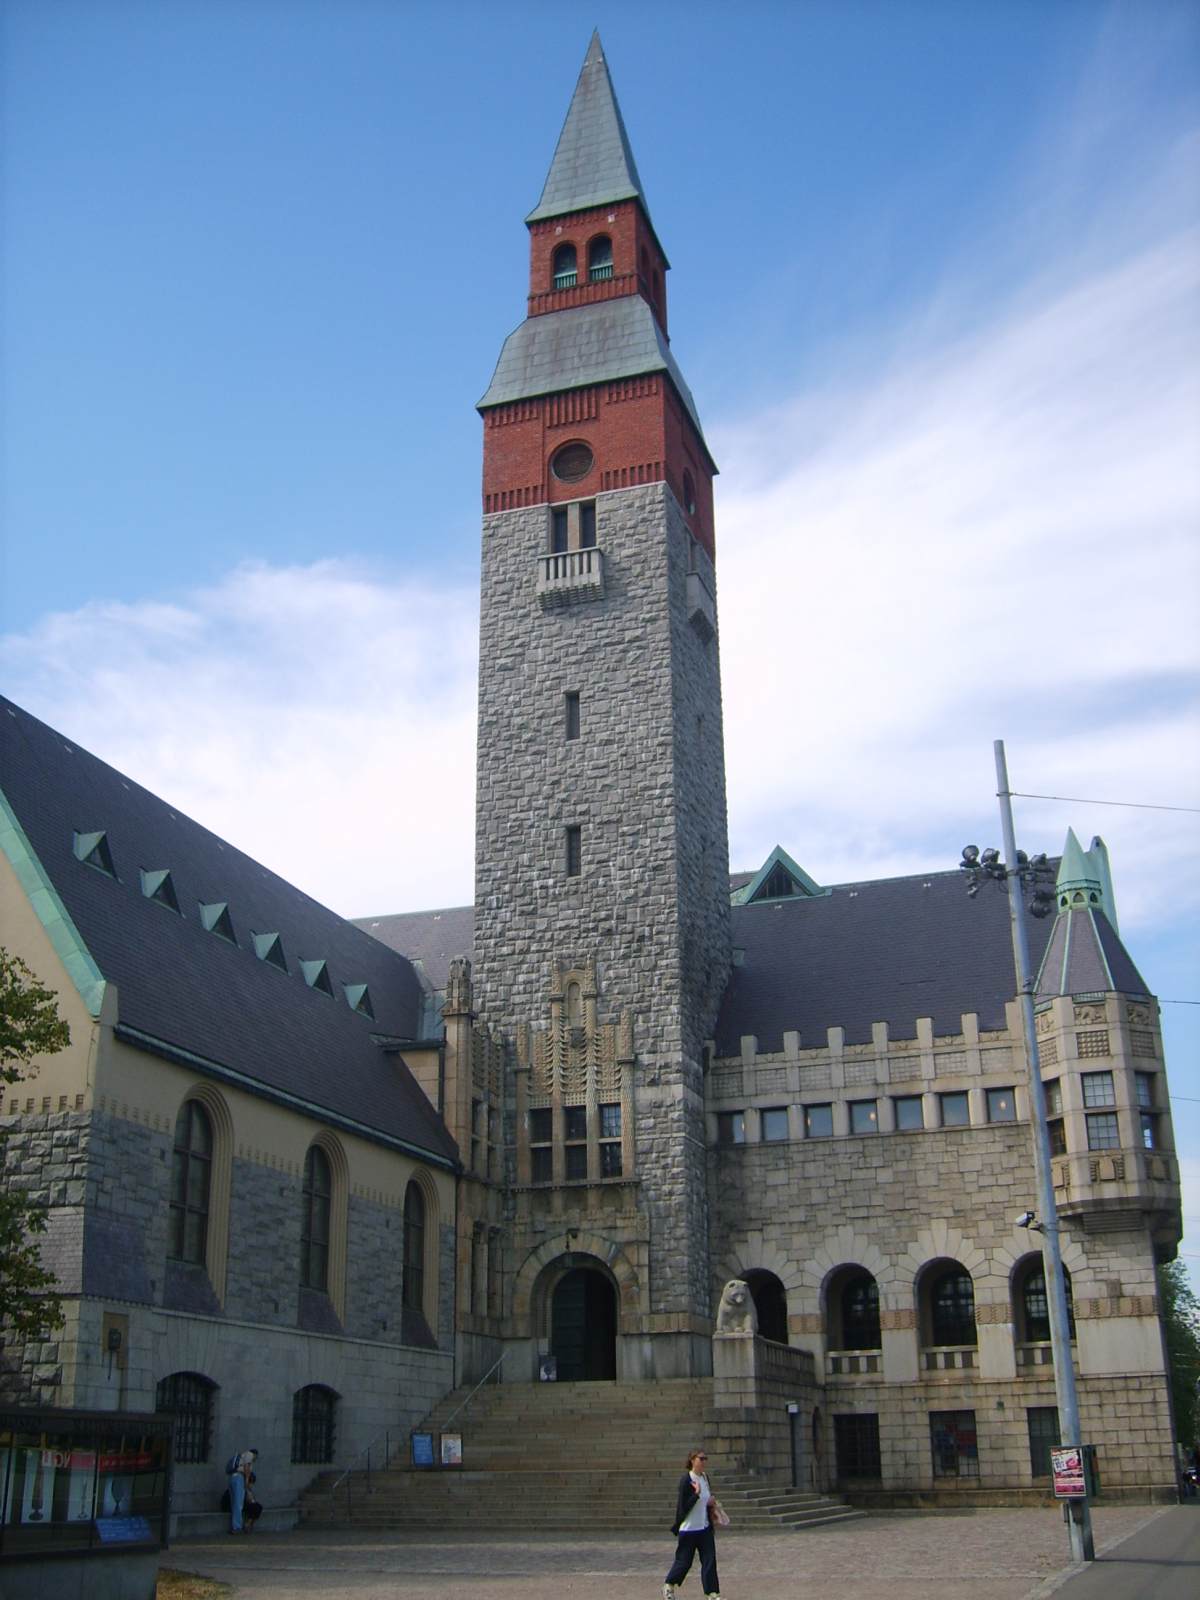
[
  {"x": 572, "y": 461},
  {"x": 689, "y": 494},
  {"x": 314, "y": 1410},
  {"x": 860, "y": 1313},
  {"x": 314, "y": 1223},
  {"x": 770, "y": 1304},
  {"x": 1034, "y": 1306},
  {"x": 191, "y": 1180},
  {"x": 565, "y": 267},
  {"x": 189, "y": 1398},
  {"x": 952, "y": 1307},
  {"x": 412, "y": 1292},
  {"x": 600, "y": 259}
]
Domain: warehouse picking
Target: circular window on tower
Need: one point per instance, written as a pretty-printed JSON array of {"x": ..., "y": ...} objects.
[
  {"x": 572, "y": 462},
  {"x": 689, "y": 494}
]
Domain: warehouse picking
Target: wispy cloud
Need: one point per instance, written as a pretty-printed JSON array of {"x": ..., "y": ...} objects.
[{"x": 320, "y": 717}]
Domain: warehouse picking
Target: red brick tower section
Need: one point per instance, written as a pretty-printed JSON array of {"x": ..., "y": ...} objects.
[{"x": 637, "y": 427}]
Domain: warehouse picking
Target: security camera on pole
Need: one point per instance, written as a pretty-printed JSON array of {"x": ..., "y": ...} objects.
[{"x": 1019, "y": 871}]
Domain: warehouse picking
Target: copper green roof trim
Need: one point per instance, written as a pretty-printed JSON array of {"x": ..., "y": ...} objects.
[
  {"x": 593, "y": 163},
  {"x": 53, "y": 915},
  {"x": 803, "y": 886}
]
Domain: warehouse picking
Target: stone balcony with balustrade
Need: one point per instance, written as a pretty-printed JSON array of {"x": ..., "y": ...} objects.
[{"x": 570, "y": 578}]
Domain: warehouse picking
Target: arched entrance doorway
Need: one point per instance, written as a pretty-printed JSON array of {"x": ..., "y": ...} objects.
[
  {"x": 583, "y": 1326},
  {"x": 770, "y": 1305}
]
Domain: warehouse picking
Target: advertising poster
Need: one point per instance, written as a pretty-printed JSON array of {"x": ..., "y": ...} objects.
[
  {"x": 1067, "y": 1467},
  {"x": 452, "y": 1449},
  {"x": 422, "y": 1450}
]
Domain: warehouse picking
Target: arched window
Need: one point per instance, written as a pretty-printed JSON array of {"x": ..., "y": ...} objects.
[
  {"x": 189, "y": 1397},
  {"x": 564, "y": 268},
  {"x": 689, "y": 493},
  {"x": 770, "y": 1305},
  {"x": 860, "y": 1313},
  {"x": 314, "y": 1223},
  {"x": 1034, "y": 1306},
  {"x": 952, "y": 1307},
  {"x": 191, "y": 1179},
  {"x": 574, "y": 1006},
  {"x": 313, "y": 1413},
  {"x": 413, "y": 1290},
  {"x": 600, "y": 259}
]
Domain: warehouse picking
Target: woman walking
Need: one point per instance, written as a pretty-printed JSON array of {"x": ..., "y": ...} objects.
[{"x": 696, "y": 1511}]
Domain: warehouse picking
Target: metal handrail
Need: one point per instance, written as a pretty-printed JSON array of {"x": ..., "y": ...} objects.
[
  {"x": 462, "y": 1407},
  {"x": 386, "y": 1436}
]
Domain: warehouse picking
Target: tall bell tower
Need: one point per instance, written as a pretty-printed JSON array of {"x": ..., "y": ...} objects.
[{"x": 602, "y": 876}]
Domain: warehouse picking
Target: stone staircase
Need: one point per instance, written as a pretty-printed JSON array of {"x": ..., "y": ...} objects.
[{"x": 561, "y": 1458}]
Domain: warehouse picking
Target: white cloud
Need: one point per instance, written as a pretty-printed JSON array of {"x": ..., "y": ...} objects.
[
  {"x": 319, "y": 717},
  {"x": 995, "y": 539}
]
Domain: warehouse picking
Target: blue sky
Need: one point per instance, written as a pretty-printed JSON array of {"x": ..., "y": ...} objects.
[{"x": 935, "y": 290}]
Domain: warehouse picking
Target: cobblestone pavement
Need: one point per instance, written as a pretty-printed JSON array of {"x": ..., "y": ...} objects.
[{"x": 991, "y": 1555}]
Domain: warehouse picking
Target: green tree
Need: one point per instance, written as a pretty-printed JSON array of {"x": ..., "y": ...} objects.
[
  {"x": 1181, "y": 1323},
  {"x": 30, "y": 1026}
]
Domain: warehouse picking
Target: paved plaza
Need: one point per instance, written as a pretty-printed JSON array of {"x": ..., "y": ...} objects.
[{"x": 989, "y": 1555}]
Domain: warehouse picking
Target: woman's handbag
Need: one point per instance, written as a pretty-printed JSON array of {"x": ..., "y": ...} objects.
[{"x": 717, "y": 1515}]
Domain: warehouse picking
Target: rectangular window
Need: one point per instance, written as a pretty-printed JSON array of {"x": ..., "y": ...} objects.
[
  {"x": 574, "y": 1123},
  {"x": 1058, "y": 1137},
  {"x": 574, "y": 852},
  {"x": 1102, "y": 1131},
  {"x": 856, "y": 1445},
  {"x": 864, "y": 1117},
  {"x": 910, "y": 1112},
  {"x": 731, "y": 1127},
  {"x": 818, "y": 1122},
  {"x": 1053, "y": 1093},
  {"x": 956, "y": 1109},
  {"x": 775, "y": 1123},
  {"x": 1144, "y": 1084},
  {"x": 1149, "y": 1124},
  {"x": 1098, "y": 1089},
  {"x": 1001, "y": 1105},
  {"x": 1042, "y": 1422},
  {"x": 610, "y": 1160},
  {"x": 571, "y": 714},
  {"x": 576, "y": 1162},
  {"x": 610, "y": 1141},
  {"x": 541, "y": 1151},
  {"x": 610, "y": 1122},
  {"x": 558, "y": 531},
  {"x": 542, "y": 1164},
  {"x": 541, "y": 1126},
  {"x": 587, "y": 525},
  {"x": 954, "y": 1443}
]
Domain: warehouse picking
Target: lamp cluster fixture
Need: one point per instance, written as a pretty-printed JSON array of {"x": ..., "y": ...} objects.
[{"x": 1036, "y": 875}]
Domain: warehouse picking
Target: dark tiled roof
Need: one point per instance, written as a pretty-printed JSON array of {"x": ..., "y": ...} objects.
[
  {"x": 889, "y": 951},
  {"x": 584, "y": 345},
  {"x": 1085, "y": 956},
  {"x": 593, "y": 163},
  {"x": 430, "y": 939},
  {"x": 191, "y": 990}
]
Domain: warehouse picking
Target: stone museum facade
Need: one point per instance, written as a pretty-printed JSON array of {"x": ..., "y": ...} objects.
[{"x": 304, "y": 1176}]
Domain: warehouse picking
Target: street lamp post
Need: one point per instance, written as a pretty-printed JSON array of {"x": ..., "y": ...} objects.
[{"x": 1016, "y": 871}]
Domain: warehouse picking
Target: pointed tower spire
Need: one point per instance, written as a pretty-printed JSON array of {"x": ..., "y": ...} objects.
[
  {"x": 593, "y": 164},
  {"x": 1084, "y": 953}
]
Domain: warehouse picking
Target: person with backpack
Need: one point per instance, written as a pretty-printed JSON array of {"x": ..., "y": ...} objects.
[{"x": 240, "y": 1469}]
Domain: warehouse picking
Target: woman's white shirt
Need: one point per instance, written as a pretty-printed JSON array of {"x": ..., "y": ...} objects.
[{"x": 697, "y": 1518}]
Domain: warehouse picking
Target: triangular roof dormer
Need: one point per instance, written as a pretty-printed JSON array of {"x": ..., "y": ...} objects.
[
  {"x": 157, "y": 886},
  {"x": 779, "y": 878}
]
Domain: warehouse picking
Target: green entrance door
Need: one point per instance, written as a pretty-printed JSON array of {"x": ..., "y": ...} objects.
[{"x": 583, "y": 1327}]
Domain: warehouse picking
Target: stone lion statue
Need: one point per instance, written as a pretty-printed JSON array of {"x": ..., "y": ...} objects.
[{"x": 736, "y": 1312}]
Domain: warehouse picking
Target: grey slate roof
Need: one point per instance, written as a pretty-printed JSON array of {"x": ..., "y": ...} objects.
[
  {"x": 891, "y": 950},
  {"x": 430, "y": 939},
  {"x": 583, "y": 345},
  {"x": 184, "y": 991},
  {"x": 1085, "y": 956},
  {"x": 593, "y": 163}
]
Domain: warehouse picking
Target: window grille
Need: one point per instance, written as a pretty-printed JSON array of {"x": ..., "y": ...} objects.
[
  {"x": 191, "y": 1177},
  {"x": 1042, "y": 1422},
  {"x": 856, "y": 1445},
  {"x": 565, "y": 266},
  {"x": 313, "y": 1410},
  {"x": 952, "y": 1308},
  {"x": 1102, "y": 1131},
  {"x": 860, "y": 1314},
  {"x": 600, "y": 259},
  {"x": 190, "y": 1397},
  {"x": 955, "y": 1444},
  {"x": 1098, "y": 1089}
]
